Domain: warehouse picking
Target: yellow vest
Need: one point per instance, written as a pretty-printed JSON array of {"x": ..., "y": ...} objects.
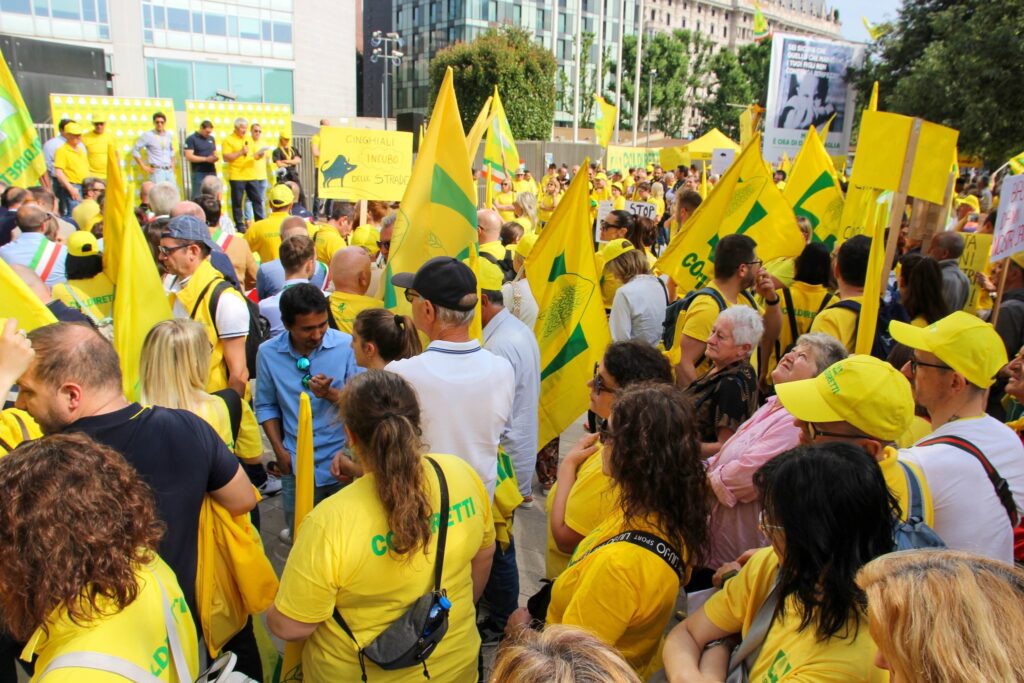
[
  {"x": 93, "y": 296},
  {"x": 188, "y": 296},
  {"x": 16, "y": 426}
]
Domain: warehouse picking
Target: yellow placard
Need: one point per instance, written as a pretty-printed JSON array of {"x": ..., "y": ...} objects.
[
  {"x": 624, "y": 158},
  {"x": 356, "y": 163},
  {"x": 127, "y": 118},
  {"x": 974, "y": 260},
  {"x": 674, "y": 157},
  {"x": 882, "y": 148}
]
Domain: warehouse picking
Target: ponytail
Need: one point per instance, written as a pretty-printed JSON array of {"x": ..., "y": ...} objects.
[{"x": 395, "y": 336}]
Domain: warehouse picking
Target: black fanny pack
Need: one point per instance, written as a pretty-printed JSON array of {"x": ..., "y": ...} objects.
[{"x": 412, "y": 638}]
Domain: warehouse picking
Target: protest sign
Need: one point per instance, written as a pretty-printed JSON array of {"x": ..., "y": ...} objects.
[
  {"x": 356, "y": 163},
  {"x": 1008, "y": 237},
  {"x": 643, "y": 210},
  {"x": 623, "y": 158},
  {"x": 974, "y": 260},
  {"x": 807, "y": 85},
  {"x": 721, "y": 159},
  {"x": 603, "y": 209}
]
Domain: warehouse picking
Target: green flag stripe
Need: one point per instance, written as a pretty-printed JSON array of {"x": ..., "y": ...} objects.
[
  {"x": 445, "y": 191},
  {"x": 823, "y": 182},
  {"x": 574, "y": 346},
  {"x": 757, "y": 213},
  {"x": 557, "y": 268}
]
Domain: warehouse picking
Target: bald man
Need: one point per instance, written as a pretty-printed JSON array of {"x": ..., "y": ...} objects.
[
  {"x": 350, "y": 273},
  {"x": 61, "y": 312},
  {"x": 270, "y": 277},
  {"x": 488, "y": 231},
  {"x": 946, "y": 248},
  {"x": 33, "y": 249}
]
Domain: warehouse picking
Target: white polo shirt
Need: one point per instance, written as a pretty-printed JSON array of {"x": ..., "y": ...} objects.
[
  {"x": 465, "y": 395},
  {"x": 968, "y": 514}
]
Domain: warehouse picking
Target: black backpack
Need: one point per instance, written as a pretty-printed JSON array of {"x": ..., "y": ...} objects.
[
  {"x": 791, "y": 315},
  {"x": 676, "y": 308},
  {"x": 259, "y": 326},
  {"x": 508, "y": 272},
  {"x": 883, "y": 343}
]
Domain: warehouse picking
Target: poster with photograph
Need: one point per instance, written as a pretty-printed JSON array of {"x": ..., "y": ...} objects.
[{"x": 807, "y": 86}]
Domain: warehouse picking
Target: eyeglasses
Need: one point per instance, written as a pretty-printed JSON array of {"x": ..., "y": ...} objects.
[
  {"x": 914, "y": 362},
  {"x": 599, "y": 382},
  {"x": 605, "y": 225},
  {"x": 384, "y": 245},
  {"x": 752, "y": 263},
  {"x": 411, "y": 295},
  {"x": 167, "y": 251},
  {"x": 160, "y": 121},
  {"x": 813, "y": 432},
  {"x": 765, "y": 526},
  {"x": 302, "y": 365}
]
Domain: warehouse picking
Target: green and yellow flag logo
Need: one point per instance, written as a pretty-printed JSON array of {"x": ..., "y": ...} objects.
[
  {"x": 21, "y": 154},
  {"x": 572, "y": 331},
  {"x": 813, "y": 192}
]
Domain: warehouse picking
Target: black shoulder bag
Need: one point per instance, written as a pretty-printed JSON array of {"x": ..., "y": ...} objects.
[{"x": 413, "y": 637}]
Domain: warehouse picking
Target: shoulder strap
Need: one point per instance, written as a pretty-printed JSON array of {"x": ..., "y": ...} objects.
[
  {"x": 234, "y": 404},
  {"x": 790, "y": 313},
  {"x": 647, "y": 541},
  {"x": 202, "y": 295},
  {"x": 750, "y": 649},
  {"x": 916, "y": 507},
  {"x": 825, "y": 301},
  {"x": 1001, "y": 486},
  {"x": 749, "y": 297},
  {"x": 98, "y": 661},
  {"x": 218, "y": 290},
  {"x": 663, "y": 289}
]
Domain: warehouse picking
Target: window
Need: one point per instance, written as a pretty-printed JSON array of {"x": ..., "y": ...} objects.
[
  {"x": 174, "y": 80},
  {"x": 278, "y": 86},
  {"x": 282, "y": 32},
  {"x": 249, "y": 28},
  {"x": 216, "y": 25},
  {"x": 209, "y": 78},
  {"x": 200, "y": 80},
  {"x": 653, "y": 15},
  {"x": 247, "y": 83},
  {"x": 89, "y": 10},
  {"x": 63, "y": 9},
  {"x": 16, "y": 6},
  {"x": 178, "y": 19},
  {"x": 725, "y": 31}
]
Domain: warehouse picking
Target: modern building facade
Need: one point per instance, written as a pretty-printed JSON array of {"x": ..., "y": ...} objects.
[
  {"x": 295, "y": 52},
  {"x": 730, "y": 23}
]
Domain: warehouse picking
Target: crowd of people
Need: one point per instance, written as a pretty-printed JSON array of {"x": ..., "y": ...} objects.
[{"x": 753, "y": 497}]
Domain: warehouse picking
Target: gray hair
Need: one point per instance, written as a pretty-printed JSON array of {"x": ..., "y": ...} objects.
[
  {"x": 827, "y": 349},
  {"x": 388, "y": 221},
  {"x": 747, "y": 326},
  {"x": 211, "y": 185},
  {"x": 163, "y": 197},
  {"x": 449, "y": 317},
  {"x": 240, "y": 120}
]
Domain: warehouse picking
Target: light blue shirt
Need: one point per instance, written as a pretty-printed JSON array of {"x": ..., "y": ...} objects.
[
  {"x": 270, "y": 308},
  {"x": 506, "y": 336},
  {"x": 279, "y": 385},
  {"x": 270, "y": 278},
  {"x": 50, "y": 148},
  {"x": 23, "y": 250},
  {"x": 159, "y": 148}
]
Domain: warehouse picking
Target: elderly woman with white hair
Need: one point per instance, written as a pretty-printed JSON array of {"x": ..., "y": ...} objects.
[
  {"x": 770, "y": 431},
  {"x": 726, "y": 396}
]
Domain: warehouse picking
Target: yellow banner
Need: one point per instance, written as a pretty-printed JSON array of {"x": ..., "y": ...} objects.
[
  {"x": 974, "y": 260},
  {"x": 624, "y": 158},
  {"x": 364, "y": 164}
]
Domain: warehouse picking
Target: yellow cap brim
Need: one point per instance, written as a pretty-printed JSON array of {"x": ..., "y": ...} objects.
[
  {"x": 804, "y": 402},
  {"x": 908, "y": 335}
]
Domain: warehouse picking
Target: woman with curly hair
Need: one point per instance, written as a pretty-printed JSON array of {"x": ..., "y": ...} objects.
[
  {"x": 624, "y": 577},
  {"x": 559, "y": 654},
  {"x": 827, "y": 512},
  {"x": 366, "y": 554},
  {"x": 78, "y": 533}
]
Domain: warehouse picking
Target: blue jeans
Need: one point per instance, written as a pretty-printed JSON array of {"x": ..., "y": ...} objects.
[
  {"x": 197, "y": 180},
  {"x": 501, "y": 594},
  {"x": 66, "y": 202},
  {"x": 163, "y": 175},
  {"x": 261, "y": 188},
  {"x": 320, "y": 493},
  {"x": 240, "y": 190}
]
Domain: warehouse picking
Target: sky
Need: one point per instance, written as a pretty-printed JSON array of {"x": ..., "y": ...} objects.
[{"x": 851, "y": 11}]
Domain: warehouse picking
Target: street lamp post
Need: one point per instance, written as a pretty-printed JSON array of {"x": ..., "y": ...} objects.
[
  {"x": 650, "y": 89},
  {"x": 384, "y": 48}
]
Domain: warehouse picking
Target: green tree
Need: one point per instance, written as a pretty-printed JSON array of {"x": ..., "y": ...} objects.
[
  {"x": 728, "y": 85},
  {"x": 509, "y": 58},
  {"x": 954, "y": 62},
  {"x": 682, "y": 60},
  {"x": 755, "y": 61},
  {"x": 589, "y": 88}
]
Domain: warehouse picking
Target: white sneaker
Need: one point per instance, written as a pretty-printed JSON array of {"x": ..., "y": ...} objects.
[
  {"x": 271, "y": 487},
  {"x": 285, "y": 536}
]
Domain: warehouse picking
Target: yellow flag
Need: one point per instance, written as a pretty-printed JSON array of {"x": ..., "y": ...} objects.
[
  {"x": 438, "y": 212},
  {"x": 114, "y": 215},
  {"x": 571, "y": 330},
  {"x": 703, "y": 191},
  {"x": 812, "y": 190},
  {"x": 21, "y": 154},
  {"x": 20, "y": 302},
  {"x": 761, "y": 29},
  {"x": 746, "y": 125},
  {"x": 139, "y": 299},
  {"x": 872, "y": 290},
  {"x": 672, "y": 157},
  {"x": 501, "y": 158},
  {"x": 476, "y": 133},
  {"x": 1016, "y": 164},
  {"x": 291, "y": 668},
  {"x": 744, "y": 201},
  {"x": 785, "y": 166},
  {"x": 604, "y": 120},
  {"x": 873, "y": 102}
]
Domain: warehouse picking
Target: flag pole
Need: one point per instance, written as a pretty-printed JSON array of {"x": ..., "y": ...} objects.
[
  {"x": 636, "y": 73},
  {"x": 618, "y": 68},
  {"x": 899, "y": 202},
  {"x": 578, "y": 81}
]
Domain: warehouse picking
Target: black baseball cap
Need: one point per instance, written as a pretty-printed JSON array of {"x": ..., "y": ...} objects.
[{"x": 443, "y": 281}]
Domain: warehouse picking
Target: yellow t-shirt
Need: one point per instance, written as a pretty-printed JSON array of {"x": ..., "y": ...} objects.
[
  {"x": 659, "y": 207},
  {"x": 244, "y": 166},
  {"x": 249, "y": 444},
  {"x": 619, "y": 203},
  {"x": 546, "y": 206},
  {"x": 16, "y": 426},
  {"x": 366, "y": 236},
  {"x": 839, "y": 323},
  {"x": 896, "y": 479},
  {"x": 789, "y": 654},
  {"x": 592, "y": 499},
  {"x": 622, "y": 593},
  {"x": 783, "y": 269},
  {"x": 346, "y": 306},
  {"x": 341, "y": 559},
  {"x": 264, "y": 237},
  {"x": 495, "y": 249},
  {"x": 327, "y": 242},
  {"x": 807, "y": 300},
  {"x": 137, "y": 633},
  {"x": 96, "y": 149},
  {"x": 314, "y": 142},
  {"x": 93, "y": 296},
  {"x": 506, "y": 199},
  {"x": 525, "y": 222},
  {"x": 74, "y": 161},
  {"x": 696, "y": 322}
]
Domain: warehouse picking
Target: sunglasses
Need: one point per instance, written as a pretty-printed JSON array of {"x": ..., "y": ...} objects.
[
  {"x": 302, "y": 365},
  {"x": 411, "y": 295},
  {"x": 813, "y": 432},
  {"x": 599, "y": 383},
  {"x": 384, "y": 245},
  {"x": 167, "y": 251},
  {"x": 605, "y": 225}
]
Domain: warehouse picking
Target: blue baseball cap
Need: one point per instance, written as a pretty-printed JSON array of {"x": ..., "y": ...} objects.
[{"x": 191, "y": 229}]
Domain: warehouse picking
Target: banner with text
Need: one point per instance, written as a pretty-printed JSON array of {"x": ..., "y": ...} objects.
[
  {"x": 806, "y": 87},
  {"x": 356, "y": 163},
  {"x": 974, "y": 260},
  {"x": 625, "y": 158},
  {"x": 1008, "y": 237}
]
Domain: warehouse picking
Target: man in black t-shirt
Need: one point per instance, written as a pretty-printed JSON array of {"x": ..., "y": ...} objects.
[
  {"x": 201, "y": 152},
  {"x": 74, "y": 385}
]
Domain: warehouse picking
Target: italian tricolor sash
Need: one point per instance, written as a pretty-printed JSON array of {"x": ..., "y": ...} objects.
[
  {"x": 45, "y": 258},
  {"x": 222, "y": 239}
]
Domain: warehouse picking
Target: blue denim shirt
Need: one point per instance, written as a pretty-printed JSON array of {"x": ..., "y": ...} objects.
[{"x": 280, "y": 382}]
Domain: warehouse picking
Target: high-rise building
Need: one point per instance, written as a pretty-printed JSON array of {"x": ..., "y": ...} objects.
[
  {"x": 294, "y": 52},
  {"x": 730, "y": 23}
]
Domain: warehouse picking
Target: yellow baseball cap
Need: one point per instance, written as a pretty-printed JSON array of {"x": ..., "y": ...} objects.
[
  {"x": 970, "y": 200},
  {"x": 281, "y": 195},
  {"x": 82, "y": 243},
  {"x": 525, "y": 244},
  {"x": 617, "y": 186},
  {"x": 867, "y": 393},
  {"x": 615, "y": 248},
  {"x": 365, "y": 236},
  {"x": 962, "y": 341},
  {"x": 488, "y": 275},
  {"x": 73, "y": 129},
  {"x": 83, "y": 214},
  {"x": 98, "y": 118}
]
